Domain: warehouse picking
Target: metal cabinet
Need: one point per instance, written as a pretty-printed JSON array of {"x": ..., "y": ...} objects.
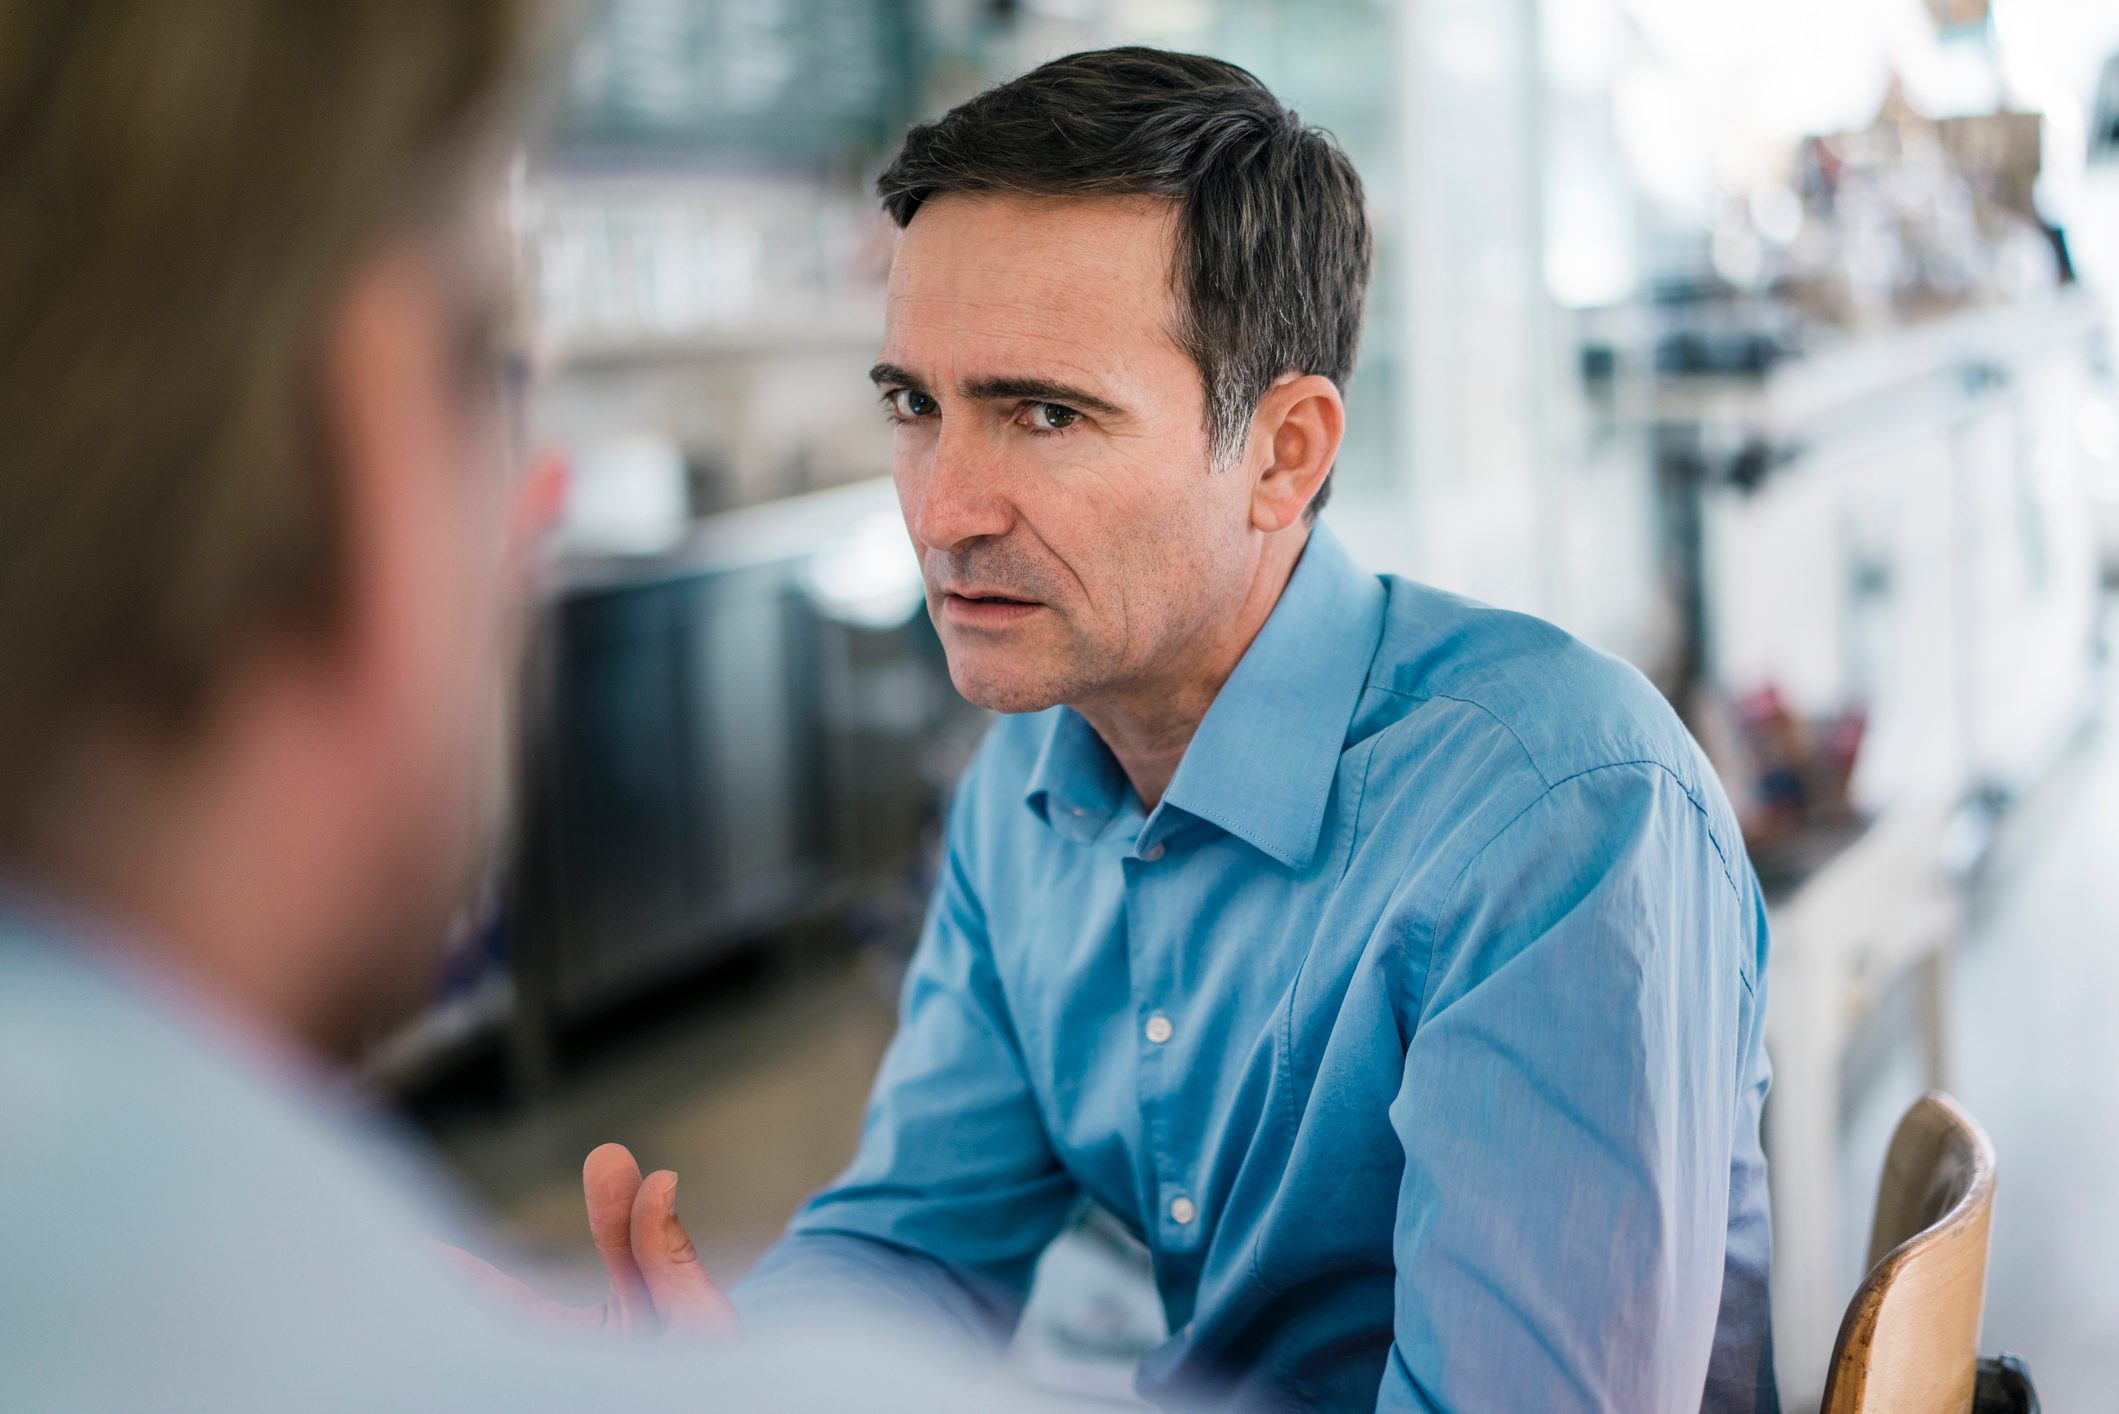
[{"x": 674, "y": 800}]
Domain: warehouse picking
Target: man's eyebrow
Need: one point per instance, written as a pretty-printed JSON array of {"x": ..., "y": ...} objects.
[
  {"x": 1042, "y": 390},
  {"x": 884, "y": 373}
]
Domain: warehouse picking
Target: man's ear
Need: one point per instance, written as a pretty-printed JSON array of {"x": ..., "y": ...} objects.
[
  {"x": 394, "y": 404},
  {"x": 1296, "y": 431}
]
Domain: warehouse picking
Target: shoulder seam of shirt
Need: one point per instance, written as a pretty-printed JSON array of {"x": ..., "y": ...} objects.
[
  {"x": 1706, "y": 823},
  {"x": 1434, "y": 924},
  {"x": 1480, "y": 707},
  {"x": 1721, "y": 854}
]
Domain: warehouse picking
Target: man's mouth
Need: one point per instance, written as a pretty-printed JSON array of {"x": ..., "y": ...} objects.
[{"x": 982, "y": 610}]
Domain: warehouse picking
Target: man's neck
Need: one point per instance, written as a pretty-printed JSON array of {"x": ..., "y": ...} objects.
[
  {"x": 1149, "y": 724},
  {"x": 192, "y": 863}
]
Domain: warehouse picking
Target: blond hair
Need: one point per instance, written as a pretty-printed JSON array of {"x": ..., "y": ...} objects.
[{"x": 184, "y": 189}]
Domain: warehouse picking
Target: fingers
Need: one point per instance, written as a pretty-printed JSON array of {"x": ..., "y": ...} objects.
[
  {"x": 610, "y": 1184},
  {"x": 657, "y": 1281},
  {"x": 511, "y": 1296},
  {"x": 686, "y": 1299}
]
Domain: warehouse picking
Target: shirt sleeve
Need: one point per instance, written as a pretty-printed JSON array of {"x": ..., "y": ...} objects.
[
  {"x": 955, "y": 1190},
  {"x": 1567, "y": 1111}
]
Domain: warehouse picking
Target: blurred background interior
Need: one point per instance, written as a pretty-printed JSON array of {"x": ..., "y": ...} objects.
[{"x": 1766, "y": 346}]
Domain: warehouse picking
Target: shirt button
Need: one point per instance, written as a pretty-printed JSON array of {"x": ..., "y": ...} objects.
[
  {"x": 1159, "y": 1028},
  {"x": 1182, "y": 1211},
  {"x": 1153, "y": 852}
]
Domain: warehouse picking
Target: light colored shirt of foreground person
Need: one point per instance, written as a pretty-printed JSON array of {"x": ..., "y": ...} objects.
[{"x": 192, "y": 1219}]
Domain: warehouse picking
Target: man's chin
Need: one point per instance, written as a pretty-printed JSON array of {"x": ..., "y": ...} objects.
[
  {"x": 432, "y": 900},
  {"x": 1002, "y": 692},
  {"x": 1010, "y": 702},
  {"x": 391, "y": 971}
]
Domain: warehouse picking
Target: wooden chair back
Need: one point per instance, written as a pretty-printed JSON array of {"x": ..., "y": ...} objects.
[{"x": 1910, "y": 1340}]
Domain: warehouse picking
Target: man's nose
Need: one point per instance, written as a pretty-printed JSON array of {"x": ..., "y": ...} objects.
[{"x": 962, "y": 499}]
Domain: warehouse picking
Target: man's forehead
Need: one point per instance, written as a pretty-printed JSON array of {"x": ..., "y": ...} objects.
[
  {"x": 1138, "y": 230},
  {"x": 1088, "y": 273}
]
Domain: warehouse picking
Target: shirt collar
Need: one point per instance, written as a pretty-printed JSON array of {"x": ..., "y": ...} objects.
[
  {"x": 1076, "y": 785},
  {"x": 1262, "y": 763}
]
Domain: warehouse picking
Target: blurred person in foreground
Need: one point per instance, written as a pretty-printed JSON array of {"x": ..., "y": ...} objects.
[
  {"x": 1390, "y": 964},
  {"x": 262, "y": 568}
]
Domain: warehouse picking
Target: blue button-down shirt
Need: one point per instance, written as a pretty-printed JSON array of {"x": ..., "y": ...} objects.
[{"x": 1417, "y": 1031}]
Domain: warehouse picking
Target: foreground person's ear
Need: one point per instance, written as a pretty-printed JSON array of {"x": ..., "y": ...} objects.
[{"x": 1296, "y": 433}]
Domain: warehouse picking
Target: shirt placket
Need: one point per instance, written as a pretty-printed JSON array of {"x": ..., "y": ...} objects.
[{"x": 1176, "y": 1220}]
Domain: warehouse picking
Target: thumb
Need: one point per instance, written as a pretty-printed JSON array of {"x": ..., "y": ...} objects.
[{"x": 686, "y": 1299}]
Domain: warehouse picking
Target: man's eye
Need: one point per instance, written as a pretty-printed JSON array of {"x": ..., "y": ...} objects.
[
  {"x": 1049, "y": 417},
  {"x": 906, "y": 405}
]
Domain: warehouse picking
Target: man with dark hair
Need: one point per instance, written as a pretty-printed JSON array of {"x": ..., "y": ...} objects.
[{"x": 1390, "y": 964}]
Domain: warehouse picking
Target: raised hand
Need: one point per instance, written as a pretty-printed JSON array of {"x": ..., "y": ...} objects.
[{"x": 658, "y": 1285}]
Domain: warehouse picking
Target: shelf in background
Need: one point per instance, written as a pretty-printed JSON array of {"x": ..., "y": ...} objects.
[{"x": 858, "y": 326}]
